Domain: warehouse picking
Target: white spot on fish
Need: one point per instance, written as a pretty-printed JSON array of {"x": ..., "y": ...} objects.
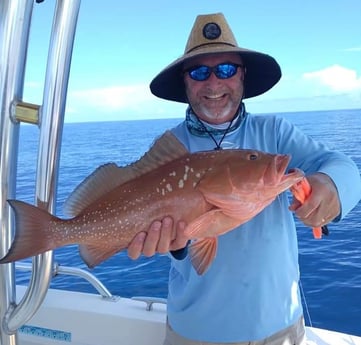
[
  {"x": 181, "y": 184},
  {"x": 169, "y": 187},
  {"x": 186, "y": 170},
  {"x": 173, "y": 174}
]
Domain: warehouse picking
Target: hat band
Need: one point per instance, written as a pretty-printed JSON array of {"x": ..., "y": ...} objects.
[{"x": 208, "y": 44}]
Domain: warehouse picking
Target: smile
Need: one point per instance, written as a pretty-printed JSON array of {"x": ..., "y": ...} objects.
[{"x": 215, "y": 96}]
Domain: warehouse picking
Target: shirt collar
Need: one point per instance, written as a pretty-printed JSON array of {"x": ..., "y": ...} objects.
[{"x": 201, "y": 128}]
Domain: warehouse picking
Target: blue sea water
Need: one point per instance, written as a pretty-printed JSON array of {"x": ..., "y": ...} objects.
[{"x": 330, "y": 268}]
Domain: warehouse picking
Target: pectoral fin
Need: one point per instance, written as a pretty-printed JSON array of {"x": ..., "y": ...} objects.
[
  {"x": 202, "y": 253},
  {"x": 212, "y": 223}
]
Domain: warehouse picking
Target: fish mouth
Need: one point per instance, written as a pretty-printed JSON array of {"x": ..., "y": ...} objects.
[
  {"x": 284, "y": 176},
  {"x": 295, "y": 173},
  {"x": 293, "y": 176}
]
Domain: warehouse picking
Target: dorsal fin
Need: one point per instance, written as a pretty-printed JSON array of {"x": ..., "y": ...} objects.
[
  {"x": 109, "y": 176},
  {"x": 164, "y": 150},
  {"x": 102, "y": 180}
]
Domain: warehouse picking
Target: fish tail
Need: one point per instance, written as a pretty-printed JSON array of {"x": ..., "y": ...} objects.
[{"x": 31, "y": 236}]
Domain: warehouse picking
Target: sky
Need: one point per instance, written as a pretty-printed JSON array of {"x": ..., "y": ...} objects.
[{"x": 120, "y": 46}]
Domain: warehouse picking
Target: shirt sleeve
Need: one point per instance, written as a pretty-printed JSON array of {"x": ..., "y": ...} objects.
[
  {"x": 312, "y": 156},
  {"x": 180, "y": 254}
]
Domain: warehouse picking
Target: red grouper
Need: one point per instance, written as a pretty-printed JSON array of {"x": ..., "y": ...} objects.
[{"x": 213, "y": 191}]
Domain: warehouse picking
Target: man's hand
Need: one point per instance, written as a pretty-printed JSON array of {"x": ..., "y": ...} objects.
[
  {"x": 322, "y": 206},
  {"x": 162, "y": 236}
]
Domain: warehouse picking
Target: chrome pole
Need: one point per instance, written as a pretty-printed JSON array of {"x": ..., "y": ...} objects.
[
  {"x": 15, "y": 19},
  {"x": 51, "y": 119}
]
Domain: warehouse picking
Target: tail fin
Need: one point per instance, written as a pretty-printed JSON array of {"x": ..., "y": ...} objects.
[{"x": 32, "y": 236}]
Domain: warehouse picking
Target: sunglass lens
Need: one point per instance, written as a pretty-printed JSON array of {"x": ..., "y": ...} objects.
[
  {"x": 222, "y": 71},
  {"x": 200, "y": 73},
  {"x": 226, "y": 70}
]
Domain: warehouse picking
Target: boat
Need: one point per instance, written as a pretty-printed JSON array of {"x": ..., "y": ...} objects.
[
  {"x": 36, "y": 314},
  {"x": 97, "y": 319}
]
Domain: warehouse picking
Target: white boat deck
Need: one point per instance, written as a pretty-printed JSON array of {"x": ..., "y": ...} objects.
[{"x": 90, "y": 319}]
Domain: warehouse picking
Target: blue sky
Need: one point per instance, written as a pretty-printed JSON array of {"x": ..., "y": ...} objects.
[{"x": 121, "y": 45}]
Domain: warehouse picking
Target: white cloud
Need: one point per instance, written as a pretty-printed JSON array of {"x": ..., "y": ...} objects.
[
  {"x": 336, "y": 78},
  {"x": 305, "y": 103},
  {"x": 334, "y": 87},
  {"x": 112, "y": 98},
  {"x": 118, "y": 102},
  {"x": 353, "y": 49}
]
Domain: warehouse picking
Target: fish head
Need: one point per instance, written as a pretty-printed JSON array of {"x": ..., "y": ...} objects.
[
  {"x": 257, "y": 169},
  {"x": 244, "y": 173},
  {"x": 263, "y": 171}
]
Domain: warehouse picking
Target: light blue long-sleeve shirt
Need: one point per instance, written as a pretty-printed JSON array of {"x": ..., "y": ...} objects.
[{"x": 251, "y": 289}]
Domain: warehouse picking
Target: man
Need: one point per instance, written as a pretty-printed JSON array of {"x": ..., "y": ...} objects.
[{"x": 250, "y": 293}]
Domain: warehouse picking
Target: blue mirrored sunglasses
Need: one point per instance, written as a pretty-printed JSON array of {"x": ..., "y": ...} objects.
[{"x": 222, "y": 71}]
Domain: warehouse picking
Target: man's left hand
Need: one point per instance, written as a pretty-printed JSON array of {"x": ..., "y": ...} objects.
[{"x": 322, "y": 206}]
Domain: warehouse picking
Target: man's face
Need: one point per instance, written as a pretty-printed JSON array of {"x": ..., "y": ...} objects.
[{"x": 215, "y": 100}]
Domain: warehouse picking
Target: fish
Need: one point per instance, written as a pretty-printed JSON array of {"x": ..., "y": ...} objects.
[
  {"x": 212, "y": 191},
  {"x": 301, "y": 191}
]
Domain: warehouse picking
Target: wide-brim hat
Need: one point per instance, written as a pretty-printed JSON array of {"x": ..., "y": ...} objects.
[{"x": 211, "y": 34}]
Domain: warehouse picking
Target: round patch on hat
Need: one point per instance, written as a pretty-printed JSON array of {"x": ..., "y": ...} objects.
[{"x": 211, "y": 31}]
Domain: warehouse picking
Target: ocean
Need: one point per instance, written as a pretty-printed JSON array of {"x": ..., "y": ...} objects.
[{"x": 330, "y": 268}]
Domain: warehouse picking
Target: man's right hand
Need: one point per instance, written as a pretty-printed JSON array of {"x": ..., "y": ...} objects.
[{"x": 162, "y": 237}]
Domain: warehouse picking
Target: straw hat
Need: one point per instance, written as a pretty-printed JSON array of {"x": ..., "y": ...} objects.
[{"x": 211, "y": 34}]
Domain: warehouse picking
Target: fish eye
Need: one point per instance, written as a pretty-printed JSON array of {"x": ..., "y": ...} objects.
[{"x": 252, "y": 156}]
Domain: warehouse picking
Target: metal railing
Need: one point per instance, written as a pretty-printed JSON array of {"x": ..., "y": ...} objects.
[
  {"x": 77, "y": 272},
  {"x": 15, "y": 19}
]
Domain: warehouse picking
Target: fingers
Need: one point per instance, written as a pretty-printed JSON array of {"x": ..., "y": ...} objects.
[
  {"x": 314, "y": 213},
  {"x": 161, "y": 237},
  {"x": 295, "y": 205},
  {"x": 145, "y": 243},
  {"x": 308, "y": 213},
  {"x": 136, "y": 245},
  {"x": 180, "y": 240},
  {"x": 315, "y": 218},
  {"x": 322, "y": 206}
]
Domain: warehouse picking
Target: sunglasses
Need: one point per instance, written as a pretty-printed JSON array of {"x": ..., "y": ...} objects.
[{"x": 222, "y": 71}]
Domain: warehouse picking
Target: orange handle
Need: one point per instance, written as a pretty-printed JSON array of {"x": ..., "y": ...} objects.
[{"x": 301, "y": 191}]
